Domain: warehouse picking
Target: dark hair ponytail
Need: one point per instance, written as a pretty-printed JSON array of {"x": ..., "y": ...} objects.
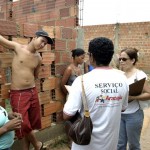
[{"x": 77, "y": 52}]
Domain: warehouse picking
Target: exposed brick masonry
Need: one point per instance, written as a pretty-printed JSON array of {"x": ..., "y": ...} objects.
[{"x": 124, "y": 35}]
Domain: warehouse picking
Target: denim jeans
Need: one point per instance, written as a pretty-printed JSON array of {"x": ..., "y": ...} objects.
[{"x": 130, "y": 130}]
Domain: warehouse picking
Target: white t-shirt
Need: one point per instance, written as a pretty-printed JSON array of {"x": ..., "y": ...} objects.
[
  {"x": 134, "y": 105},
  {"x": 107, "y": 94}
]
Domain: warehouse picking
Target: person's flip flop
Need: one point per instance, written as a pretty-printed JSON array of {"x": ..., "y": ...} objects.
[{"x": 41, "y": 146}]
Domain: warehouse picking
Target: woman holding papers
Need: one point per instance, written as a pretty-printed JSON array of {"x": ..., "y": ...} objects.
[
  {"x": 132, "y": 118},
  {"x": 74, "y": 69}
]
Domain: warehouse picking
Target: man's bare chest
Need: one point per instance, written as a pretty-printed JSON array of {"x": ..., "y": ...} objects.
[{"x": 28, "y": 61}]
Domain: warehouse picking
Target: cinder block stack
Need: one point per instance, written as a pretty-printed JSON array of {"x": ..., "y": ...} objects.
[
  {"x": 50, "y": 101},
  {"x": 6, "y": 10},
  {"x": 7, "y": 29}
]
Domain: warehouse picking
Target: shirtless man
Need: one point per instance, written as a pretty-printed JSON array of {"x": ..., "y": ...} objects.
[{"x": 24, "y": 97}]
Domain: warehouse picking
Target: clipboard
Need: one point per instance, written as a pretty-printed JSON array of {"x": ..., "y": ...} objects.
[{"x": 136, "y": 88}]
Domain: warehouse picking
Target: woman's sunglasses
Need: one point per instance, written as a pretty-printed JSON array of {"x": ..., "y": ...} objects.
[{"x": 123, "y": 59}]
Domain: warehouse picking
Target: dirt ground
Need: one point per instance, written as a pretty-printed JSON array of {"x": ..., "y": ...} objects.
[{"x": 145, "y": 136}]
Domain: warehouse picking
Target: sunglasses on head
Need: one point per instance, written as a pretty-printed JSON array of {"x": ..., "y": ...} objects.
[{"x": 123, "y": 59}]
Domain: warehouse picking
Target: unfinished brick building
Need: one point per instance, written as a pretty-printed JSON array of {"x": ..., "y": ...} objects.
[{"x": 19, "y": 21}]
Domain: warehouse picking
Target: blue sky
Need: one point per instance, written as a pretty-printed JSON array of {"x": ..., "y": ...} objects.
[{"x": 96, "y": 12}]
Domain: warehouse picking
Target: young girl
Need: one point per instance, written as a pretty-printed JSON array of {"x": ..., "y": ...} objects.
[{"x": 73, "y": 70}]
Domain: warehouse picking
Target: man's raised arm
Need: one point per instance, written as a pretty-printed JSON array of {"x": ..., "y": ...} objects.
[{"x": 6, "y": 43}]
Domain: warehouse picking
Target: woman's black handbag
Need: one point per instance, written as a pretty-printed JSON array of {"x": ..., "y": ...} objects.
[{"x": 79, "y": 129}]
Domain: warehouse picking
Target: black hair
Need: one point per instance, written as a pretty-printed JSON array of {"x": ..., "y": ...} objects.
[
  {"x": 132, "y": 53},
  {"x": 77, "y": 52},
  {"x": 102, "y": 50}
]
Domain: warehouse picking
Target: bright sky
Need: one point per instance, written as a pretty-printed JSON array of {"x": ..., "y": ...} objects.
[{"x": 96, "y": 12}]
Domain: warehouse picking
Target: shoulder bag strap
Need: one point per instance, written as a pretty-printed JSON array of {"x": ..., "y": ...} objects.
[{"x": 86, "y": 109}]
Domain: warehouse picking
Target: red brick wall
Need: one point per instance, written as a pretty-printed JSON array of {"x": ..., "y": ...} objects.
[
  {"x": 91, "y": 32},
  {"x": 6, "y": 10},
  {"x": 124, "y": 35},
  {"x": 61, "y": 15}
]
